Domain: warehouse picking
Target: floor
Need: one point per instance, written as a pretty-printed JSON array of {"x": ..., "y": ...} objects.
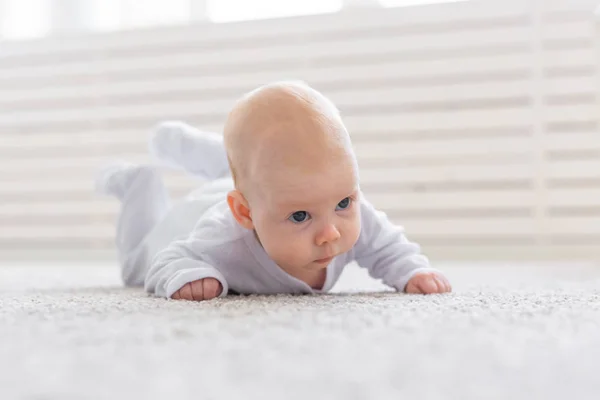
[{"x": 507, "y": 332}]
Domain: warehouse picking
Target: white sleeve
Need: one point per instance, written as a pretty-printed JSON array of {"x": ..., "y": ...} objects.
[
  {"x": 180, "y": 263},
  {"x": 385, "y": 251}
]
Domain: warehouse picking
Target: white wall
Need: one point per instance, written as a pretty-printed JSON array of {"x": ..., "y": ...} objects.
[{"x": 475, "y": 124}]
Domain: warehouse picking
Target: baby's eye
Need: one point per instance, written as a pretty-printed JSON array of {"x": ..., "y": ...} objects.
[
  {"x": 299, "y": 216},
  {"x": 342, "y": 205}
]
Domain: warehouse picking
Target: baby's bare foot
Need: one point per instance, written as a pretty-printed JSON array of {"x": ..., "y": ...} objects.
[{"x": 202, "y": 289}]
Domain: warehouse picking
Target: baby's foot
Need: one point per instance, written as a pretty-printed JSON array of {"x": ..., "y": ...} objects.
[
  {"x": 114, "y": 179},
  {"x": 169, "y": 142},
  {"x": 202, "y": 289},
  {"x": 182, "y": 146}
]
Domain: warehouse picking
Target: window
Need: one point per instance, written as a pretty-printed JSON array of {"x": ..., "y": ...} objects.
[
  {"x": 24, "y": 19},
  {"x": 108, "y": 15},
  {"x": 238, "y": 10},
  {"x": 406, "y": 3}
]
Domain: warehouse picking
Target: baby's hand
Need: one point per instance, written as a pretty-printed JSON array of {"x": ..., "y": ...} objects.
[
  {"x": 428, "y": 283},
  {"x": 202, "y": 289}
]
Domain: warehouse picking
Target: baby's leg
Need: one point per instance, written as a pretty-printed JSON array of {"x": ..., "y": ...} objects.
[
  {"x": 199, "y": 153},
  {"x": 144, "y": 202}
]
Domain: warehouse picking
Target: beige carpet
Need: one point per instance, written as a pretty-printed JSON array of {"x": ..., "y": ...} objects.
[{"x": 507, "y": 332}]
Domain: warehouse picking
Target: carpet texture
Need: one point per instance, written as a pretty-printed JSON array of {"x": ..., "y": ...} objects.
[{"x": 506, "y": 332}]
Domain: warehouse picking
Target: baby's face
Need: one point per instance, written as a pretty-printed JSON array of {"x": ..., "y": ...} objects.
[
  {"x": 296, "y": 174},
  {"x": 305, "y": 218}
]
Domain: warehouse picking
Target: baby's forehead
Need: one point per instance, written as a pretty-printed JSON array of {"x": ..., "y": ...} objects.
[
  {"x": 280, "y": 129},
  {"x": 301, "y": 141},
  {"x": 290, "y": 187}
]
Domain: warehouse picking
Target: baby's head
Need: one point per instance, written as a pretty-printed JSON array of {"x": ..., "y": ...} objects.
[{"x": 295, "y": 174}]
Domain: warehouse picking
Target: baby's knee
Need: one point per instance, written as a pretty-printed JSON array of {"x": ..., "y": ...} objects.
[
  {"x": 133, "y": 268},
  {"x": 132, "y": 280}
]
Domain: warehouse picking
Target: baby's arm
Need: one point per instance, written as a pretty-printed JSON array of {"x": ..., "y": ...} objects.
[
  {"x": 181, "y": 271},
  {"x": 385, "y": 251}
]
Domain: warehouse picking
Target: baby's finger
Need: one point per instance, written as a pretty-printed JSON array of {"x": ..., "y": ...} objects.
[
  {"x": 176, "y": 296},
  {"x": 197, "y": 290},
  {"x": 439, "y": 282},
  {"x": 212, "y": 288},
  {"x": 447, "y": 284},
  {"x": 427, "y": 285},
  {"x": 411, "y": 288},
  {"x": 186, "y": 292}
]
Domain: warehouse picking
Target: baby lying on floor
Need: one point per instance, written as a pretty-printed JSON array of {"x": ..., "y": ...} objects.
[{"x": 282, "y": 213}]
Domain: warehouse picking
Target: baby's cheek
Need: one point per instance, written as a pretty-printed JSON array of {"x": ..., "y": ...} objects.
[
  {"x": 296, "y": 250},
  {"x": 295, "y": 247},
  {"x": 283, "y": 247}
]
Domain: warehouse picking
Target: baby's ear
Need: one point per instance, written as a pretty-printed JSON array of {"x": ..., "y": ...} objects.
[{"x": 240, "y": 209}]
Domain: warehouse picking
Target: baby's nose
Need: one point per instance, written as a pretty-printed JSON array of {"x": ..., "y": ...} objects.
[{"x": 329, "y": 234}]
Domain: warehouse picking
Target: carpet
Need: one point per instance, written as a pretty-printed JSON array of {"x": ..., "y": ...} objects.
[{"x": 506, "y": 332}]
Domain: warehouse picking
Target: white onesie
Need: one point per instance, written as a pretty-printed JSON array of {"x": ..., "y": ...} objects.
[
  {"x": 220, "y": 248},
  {"x": 163, "y": 247}
]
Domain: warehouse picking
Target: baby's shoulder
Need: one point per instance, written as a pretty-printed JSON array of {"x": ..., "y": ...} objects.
[
  {"x": 373, "y": 223},
  {"x": 221, "y": 240},
  {"x": 219, "y": 236},
  {"x": 368, "y": 211},
  {"x": 218, "y": 223}
]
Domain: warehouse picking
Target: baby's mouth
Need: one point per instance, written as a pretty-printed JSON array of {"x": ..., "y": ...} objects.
[{"x": 326, "y": 260}]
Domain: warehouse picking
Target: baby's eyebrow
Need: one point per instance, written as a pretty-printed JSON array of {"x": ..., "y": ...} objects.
[
  {"x": 299, "y": 202},
  {"x": 308, "y": 206}
]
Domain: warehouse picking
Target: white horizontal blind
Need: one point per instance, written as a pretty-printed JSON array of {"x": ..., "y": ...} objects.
[
  {"x": 475, "y": 123},
  {"x": 570, "y": 122}
]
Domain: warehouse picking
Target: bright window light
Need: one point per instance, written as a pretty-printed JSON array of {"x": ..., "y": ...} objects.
[
  {"x": 239, "y": 10},
  {"x": 24, "y": 19},
  {"x": 406, "y": 3},
  {"x": 156, "y": 12},
  {"x": 107, "y": 15}
]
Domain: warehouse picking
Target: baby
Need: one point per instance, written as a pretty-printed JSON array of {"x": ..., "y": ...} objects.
[{"x": 282, "y": 213}]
